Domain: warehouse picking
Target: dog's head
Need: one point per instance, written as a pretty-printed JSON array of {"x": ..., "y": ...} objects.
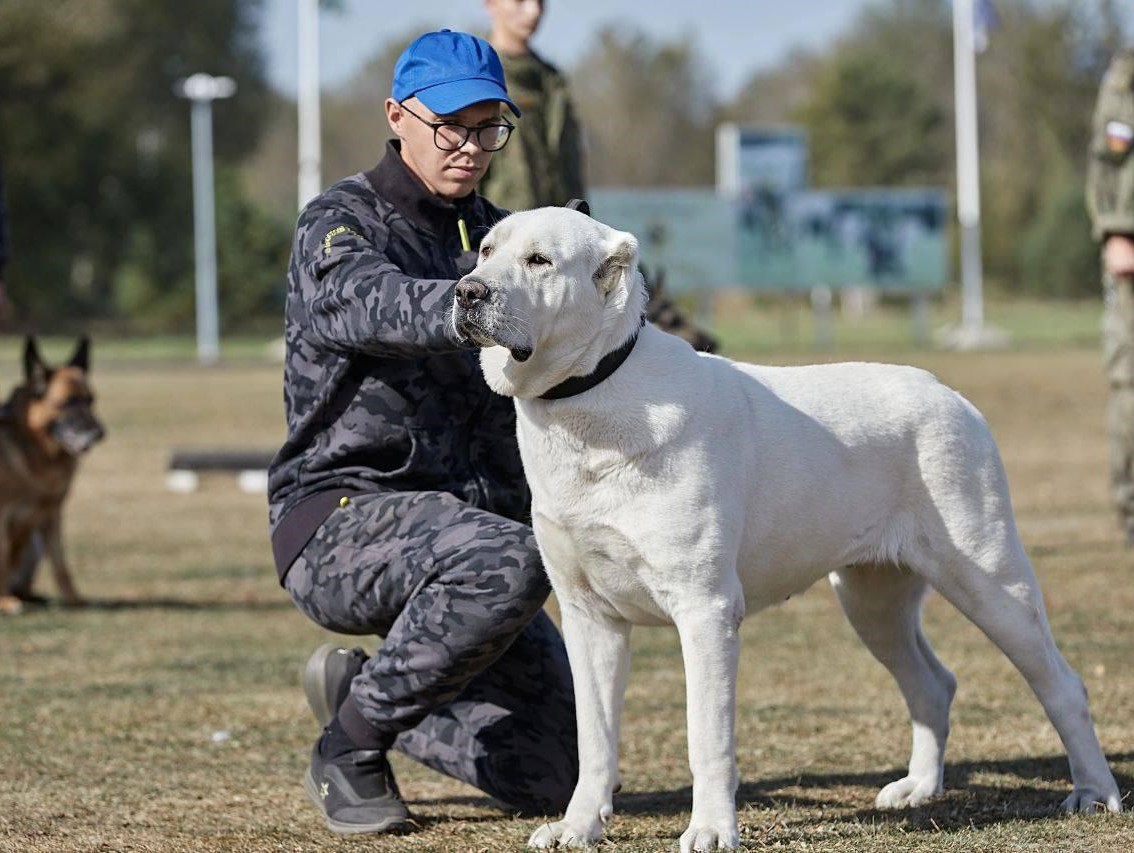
[
  {"x": 552, "y": 293},
  {"x": 58, "y": 403}
]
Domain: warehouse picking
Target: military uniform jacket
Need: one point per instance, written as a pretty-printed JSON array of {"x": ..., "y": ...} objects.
[
  {"x": 3, "y": 227},
  {"x": 542, "y": 165},
  {"x": 1110, "y": 172},
  {"x": 379, "y": 394}
]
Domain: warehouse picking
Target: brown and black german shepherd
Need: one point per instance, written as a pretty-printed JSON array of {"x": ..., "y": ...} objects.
[{"x": 45, "y": 426}]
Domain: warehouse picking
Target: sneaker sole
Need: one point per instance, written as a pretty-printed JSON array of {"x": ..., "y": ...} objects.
[
  {"x": 390, "y": 824},
  {"x": 314, "y": 686}
]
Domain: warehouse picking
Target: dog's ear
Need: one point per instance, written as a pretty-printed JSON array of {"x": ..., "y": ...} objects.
[
  {"x": 81, "y": 357},
  {"x": 621, "y": 260},
  {"x": 36, "y": 371}
]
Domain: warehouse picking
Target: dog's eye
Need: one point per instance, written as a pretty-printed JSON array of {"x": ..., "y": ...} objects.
[
  {"x": 537, "y": 260},
  {"x": 485, "y": 251}
]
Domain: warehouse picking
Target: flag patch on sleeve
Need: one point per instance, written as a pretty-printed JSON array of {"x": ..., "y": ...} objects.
[{"x": 1119, "y": 137}]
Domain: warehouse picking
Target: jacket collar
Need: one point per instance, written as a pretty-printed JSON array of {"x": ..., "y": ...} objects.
[{"x": 393, "y": 180}]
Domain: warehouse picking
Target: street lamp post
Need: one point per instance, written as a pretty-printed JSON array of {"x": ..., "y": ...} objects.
[{"x": 201, "y": 90}]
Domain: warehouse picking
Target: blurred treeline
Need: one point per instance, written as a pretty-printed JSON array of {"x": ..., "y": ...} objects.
[{"x": 95, "y": 145}]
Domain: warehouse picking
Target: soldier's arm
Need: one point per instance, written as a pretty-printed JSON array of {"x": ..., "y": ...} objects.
[
  {"x": 3, "y": 228},
  {"x": 358, "y": 300},
  {"x": 1110, "y": 172},
  {"x": 571, "y": 147}
]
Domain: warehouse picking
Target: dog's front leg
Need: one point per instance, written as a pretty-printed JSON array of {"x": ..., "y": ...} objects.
[
  {"x": 8, "y": 603},
  {"x": 710, "y": 647},
  {"x": 53, "y": 544},
  {"x": 599, "y": 651}
]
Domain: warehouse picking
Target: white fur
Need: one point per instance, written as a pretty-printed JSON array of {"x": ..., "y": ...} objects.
[{"x": 689, "y": 489}]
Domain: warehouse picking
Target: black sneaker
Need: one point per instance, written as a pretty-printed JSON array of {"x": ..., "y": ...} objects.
[
  {"x": 356, "y": 792},
  {"x": 327, "y": 677}
]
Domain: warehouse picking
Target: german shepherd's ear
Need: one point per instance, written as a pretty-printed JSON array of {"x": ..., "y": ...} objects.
[
  {"x": 81, "y": 357},
  {"x": 36, "y": 372}
]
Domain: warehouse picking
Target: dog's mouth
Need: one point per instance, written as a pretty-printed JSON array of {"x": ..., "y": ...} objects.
[
  {"x": 473, "y": 326},
  {"x": 77, "y": 440}
]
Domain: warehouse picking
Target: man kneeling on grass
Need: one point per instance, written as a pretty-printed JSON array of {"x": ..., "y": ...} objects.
[{"x": 398, "y": 497}]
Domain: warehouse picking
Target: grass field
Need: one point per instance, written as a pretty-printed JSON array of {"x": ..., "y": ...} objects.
[{"x": 167, "y": 715}]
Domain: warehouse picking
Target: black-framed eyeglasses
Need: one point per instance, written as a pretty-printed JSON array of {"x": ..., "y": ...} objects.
[{"x": 450, "y": 136}]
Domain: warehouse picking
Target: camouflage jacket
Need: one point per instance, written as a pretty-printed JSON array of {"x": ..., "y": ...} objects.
[
  {"x": 378, "y": 394},
  {"x": 542, "y": 165},
  {"x": 1110, "y": 172},
  {"x": 3, "y": 227}
]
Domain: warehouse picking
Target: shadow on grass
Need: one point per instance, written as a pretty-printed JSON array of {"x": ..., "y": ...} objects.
[
  {"x": 965, "y": 803},
  {"x": 161, "y": 603}
]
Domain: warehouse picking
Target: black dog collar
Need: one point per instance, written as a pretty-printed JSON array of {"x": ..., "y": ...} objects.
[{"x": 606, "y": 366}]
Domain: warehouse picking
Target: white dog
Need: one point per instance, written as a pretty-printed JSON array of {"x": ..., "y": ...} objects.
[{"x": 672, "y": 487}]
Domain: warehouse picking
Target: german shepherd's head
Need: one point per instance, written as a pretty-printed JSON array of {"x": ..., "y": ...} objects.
[{"x": 57, "y": 403}]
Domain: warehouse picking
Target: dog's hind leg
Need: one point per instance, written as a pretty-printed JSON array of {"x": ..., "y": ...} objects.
[
  {"x": 883, "y": 604},
  {"x": 995, "y": 587}
]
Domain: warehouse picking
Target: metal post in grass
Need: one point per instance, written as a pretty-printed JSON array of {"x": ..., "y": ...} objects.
[
  {"x": 307, "y": 100},
  {"x": 973, "y": 333},
  {"x": 201, "y": 90}
]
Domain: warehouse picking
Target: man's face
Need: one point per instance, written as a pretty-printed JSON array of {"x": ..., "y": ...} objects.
[
  {"x": 448, "y": 174},
  {"x": 516, "y": 18}
]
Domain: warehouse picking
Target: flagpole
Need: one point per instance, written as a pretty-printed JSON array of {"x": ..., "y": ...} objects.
[
  {"x": 972, "y": 331},
  {"x": 968, "y": 167}
]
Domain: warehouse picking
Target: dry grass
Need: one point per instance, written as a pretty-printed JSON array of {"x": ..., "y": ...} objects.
[{"x": 167, "y": 716}]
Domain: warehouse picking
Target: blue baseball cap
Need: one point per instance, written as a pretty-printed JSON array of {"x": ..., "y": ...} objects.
[{"x": 448, "y": 71}]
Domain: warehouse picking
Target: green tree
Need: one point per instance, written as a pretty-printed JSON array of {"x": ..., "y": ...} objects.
[
  {"x": 96, "y": 144},
  {"x": 870, "y": 124},
  {"x": 878, "y": 108},
  {"x": 646, "y": 112}
]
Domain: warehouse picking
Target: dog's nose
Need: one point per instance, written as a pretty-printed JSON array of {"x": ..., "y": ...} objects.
[{"x": 470, "y": 290}]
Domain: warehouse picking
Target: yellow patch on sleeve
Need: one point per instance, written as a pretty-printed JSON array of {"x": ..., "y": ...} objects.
[{"x": 333, "y": 233}]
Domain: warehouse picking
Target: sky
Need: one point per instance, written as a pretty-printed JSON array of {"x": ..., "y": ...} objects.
[{"x": 732, "y": 37}]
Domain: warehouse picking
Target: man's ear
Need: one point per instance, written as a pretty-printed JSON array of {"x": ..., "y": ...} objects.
[
  {"x": 393, "y": 115},
  {"x": 621, "y": 260}
]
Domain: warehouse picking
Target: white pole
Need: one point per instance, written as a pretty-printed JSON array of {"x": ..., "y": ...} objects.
[
  {"x": 204, "y": 232},
  {"x": 202, "y": 90},
  {"x": 310, "y": 179},
  {"x": 968, "y": 169}
]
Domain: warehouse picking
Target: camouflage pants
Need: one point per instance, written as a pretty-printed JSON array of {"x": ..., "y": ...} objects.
[
  {"x": 471, "y": 677},
  {"x": 1118, "y": 352}
]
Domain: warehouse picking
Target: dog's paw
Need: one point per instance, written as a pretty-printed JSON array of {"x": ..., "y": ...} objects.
[
  {"x": 909, "y": 792},
  {"x": 1092, "y": 801},
  {"x": 10, "y": 605},
  {"x": 563, "y": 834},
  {"x": 704, "y": 837}
]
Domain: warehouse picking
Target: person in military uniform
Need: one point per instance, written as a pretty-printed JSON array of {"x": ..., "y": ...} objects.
[
  {"x": 1110, "y": 202},
  {"x": 543, "y": 167},
  {"x": 3, "y": 249},
  {"x": 398, "y": 506}
]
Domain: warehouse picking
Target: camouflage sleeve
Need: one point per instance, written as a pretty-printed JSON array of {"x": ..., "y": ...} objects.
[
  {"x": 3, "y": 227},
  {"x": 1110, "y": 171},
  {"x": 571, "y": 151},
  {"x": 358, "y": 299}
]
